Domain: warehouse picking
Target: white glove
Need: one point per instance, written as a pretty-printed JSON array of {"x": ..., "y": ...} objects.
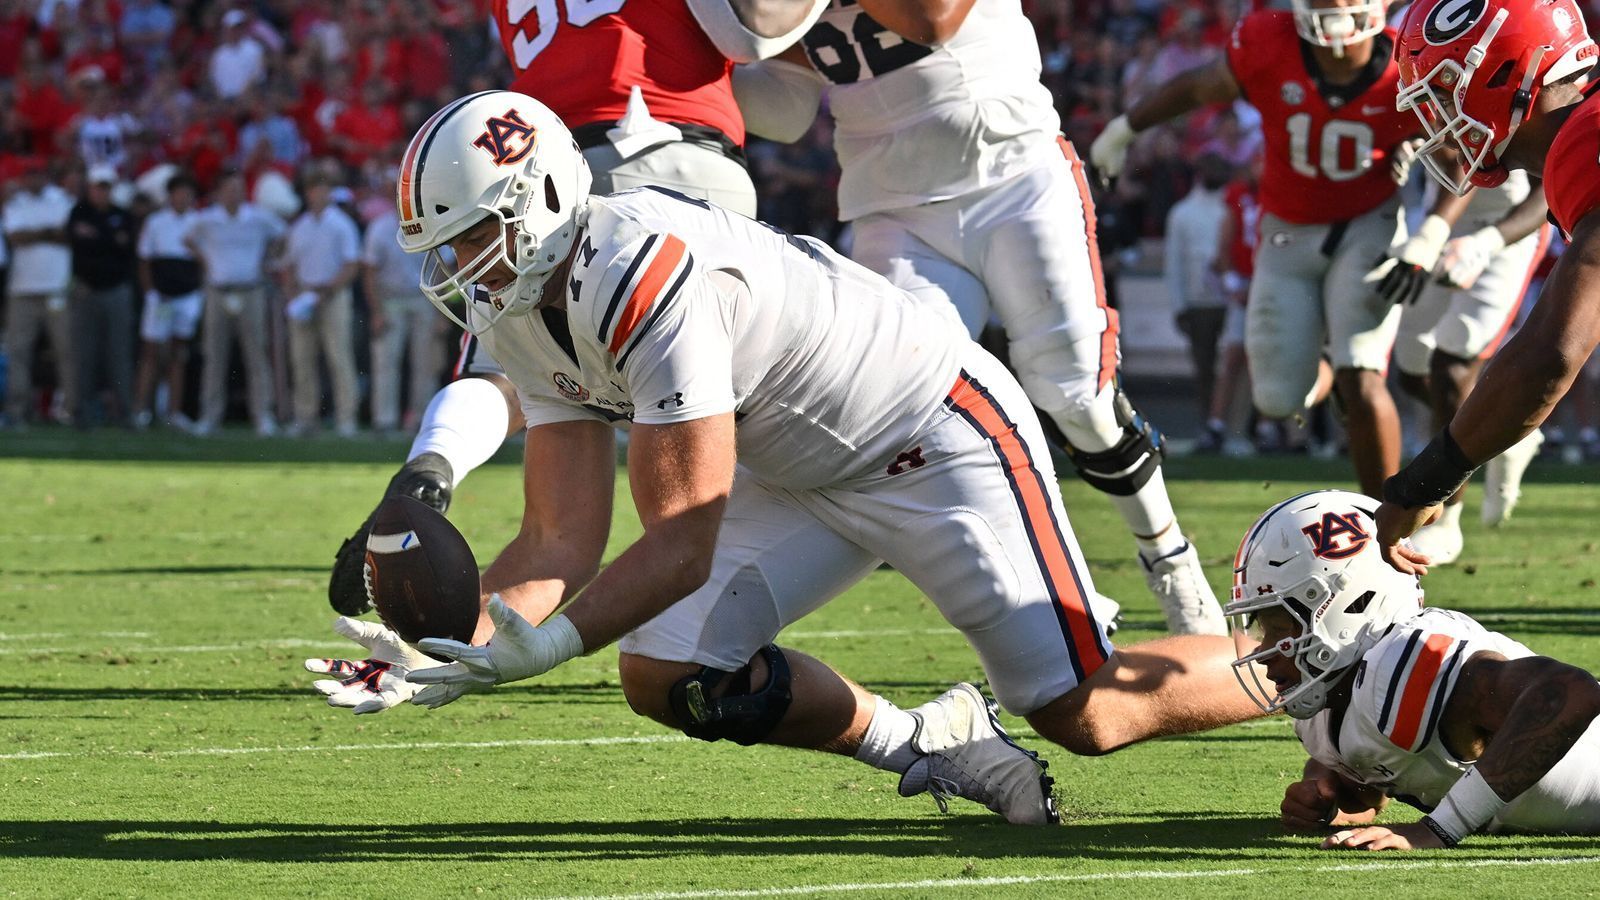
[
  {"x": 1401, "y": 278},
  {"x": 1467, "y": 256},
  {"x": 373, "y": 684},
  {"x": 518, "y": 650},
  {"x": 1401, "y": 160},
  {"x": 1109, "y": 152}
]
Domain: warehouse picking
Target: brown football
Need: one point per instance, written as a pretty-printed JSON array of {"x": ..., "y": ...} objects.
[{"x": 420, "y": 572}]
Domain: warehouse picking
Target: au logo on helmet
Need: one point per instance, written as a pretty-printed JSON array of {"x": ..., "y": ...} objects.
[
  {"x": 1451, "y": 19},
  {"x": 1325, "y": 535},
  {"x": 507, "y": 138}
]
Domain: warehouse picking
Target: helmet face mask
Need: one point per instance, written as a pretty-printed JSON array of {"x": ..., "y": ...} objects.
[
  {"x": 1338, "y": 27},
  {"x": 1311, "y": 560},
  {"x": 1471, "y": 71},
  {"x": 501, "y": 157}
]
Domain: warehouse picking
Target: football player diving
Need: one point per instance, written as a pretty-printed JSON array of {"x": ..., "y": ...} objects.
[{"x": 1395, "y": 701}]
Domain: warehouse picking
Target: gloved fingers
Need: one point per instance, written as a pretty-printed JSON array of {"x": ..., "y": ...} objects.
[
  {"x": 454, "y": 673},
  {"x": 370, "y": 635},
  {"x": 445, "y": 647},
  {"x": 328, "y": 686},
  {"x": 435, "y": 696}
]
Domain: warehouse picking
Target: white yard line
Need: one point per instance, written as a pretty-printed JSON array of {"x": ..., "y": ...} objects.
[
  {"x": 948, "y": 884},
  {"x": 356, "y": 748}
]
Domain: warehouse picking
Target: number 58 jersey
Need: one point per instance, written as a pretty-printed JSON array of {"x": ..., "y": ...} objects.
[
  {"x": 915, "y": 124},
  {"x": 1327, "y": 147}
]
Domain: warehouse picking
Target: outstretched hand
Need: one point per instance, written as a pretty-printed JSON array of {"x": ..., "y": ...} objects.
[{"x": 1395, "y": 524}]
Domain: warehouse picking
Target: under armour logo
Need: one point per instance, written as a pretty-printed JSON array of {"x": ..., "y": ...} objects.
[
  {"x": 676, "y": 400},
  {"x": 1325, "y": 535},
  {"x": 911, "y": 459},
  {"x": 507, "y": 138}
]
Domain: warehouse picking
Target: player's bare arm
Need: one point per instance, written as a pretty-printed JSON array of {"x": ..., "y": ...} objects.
[
  {"x": 1518, "y": 718},
  {"x": 749, "y": 30},
  {"x": 1323, "y": 798},
  {"x": 1200, "y": 86},
  {"x": 568, "y": 474},
  {"x": 920, "y": 21},
  {"x": 1518, "y": 390},
  {"x": 680, "y": 475}
]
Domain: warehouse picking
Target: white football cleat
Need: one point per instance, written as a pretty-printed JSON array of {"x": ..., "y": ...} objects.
[
  {"x": 1179, "y": 583},
  {"x": 1502, "y": 478},
  {"x": 1441, "y": 541},
  {"x": 966, "y": 753}
]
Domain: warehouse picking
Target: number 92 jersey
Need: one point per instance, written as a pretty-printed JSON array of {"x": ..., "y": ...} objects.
[
  {"x": 581, "y": 58},
  {"x": 916, "y": 124},
  {"x": 1327, "y": 157}
]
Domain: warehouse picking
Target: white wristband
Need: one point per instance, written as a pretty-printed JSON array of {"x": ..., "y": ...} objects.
[
  {"x": 559, "y": 642},
  {"x": 1470, "y": 804},
  {"x": 1491, "y": 239}
]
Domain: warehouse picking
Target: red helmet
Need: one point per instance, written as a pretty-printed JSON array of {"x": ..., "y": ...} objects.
[{"x": 1472, "y": 69}]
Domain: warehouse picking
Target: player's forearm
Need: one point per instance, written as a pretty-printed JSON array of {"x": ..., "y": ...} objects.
[
  {"x": 535, "y": 577},
  {"x": 1525, "y": 218},
  {"x": 1557, "y": 704},
  {"x": 1212, "y": 83},
  {"x": 670, "y": 562},
  {"x": 920, "y": 21},
  {"x": 1521, "y": 386}
]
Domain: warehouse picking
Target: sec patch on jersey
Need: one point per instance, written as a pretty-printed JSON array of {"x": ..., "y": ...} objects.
[{"x": 420, "y": 573}]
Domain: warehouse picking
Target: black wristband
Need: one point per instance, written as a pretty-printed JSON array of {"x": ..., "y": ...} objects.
[
  {"x": 1437, "y": 473},
  {"x": 1448, "y": 839}
]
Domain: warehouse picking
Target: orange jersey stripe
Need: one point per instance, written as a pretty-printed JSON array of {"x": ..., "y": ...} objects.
[
  {"x": 1038, "y": 520},
  {"x": 1108, "y": 338},
  {"x": 1414, "y": 698},
  {"x": 655, "y": 276}
]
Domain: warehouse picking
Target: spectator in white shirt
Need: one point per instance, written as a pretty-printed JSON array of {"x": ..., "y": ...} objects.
[
  {"x": 35, "y": 223},
  {"x": 400, "y": 317},
  {"x": 169, "y": 273},
  {"x": 102, "y": 131},
  {"x": 1198, "y": 301},
  {"x": 239, "y": 62},
  {"x": 322, "y": 259},
  {"x": 233, "y": 240}
]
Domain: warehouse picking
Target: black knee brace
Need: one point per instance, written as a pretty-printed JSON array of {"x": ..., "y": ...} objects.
[
  {"x": 740, "y": 715},
  {"x": 1125, "y": 468}
]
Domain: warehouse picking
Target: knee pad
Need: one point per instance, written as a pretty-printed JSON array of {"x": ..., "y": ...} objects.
[
  {"x": 1127, "y": 466},
  {"x": 740, "y": 715}
]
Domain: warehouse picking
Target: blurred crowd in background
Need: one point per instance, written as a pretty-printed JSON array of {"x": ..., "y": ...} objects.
[{"x": 141, "y": 138}]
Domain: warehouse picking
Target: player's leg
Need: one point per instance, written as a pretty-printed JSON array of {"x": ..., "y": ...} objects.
[
  {"x": 1035, "y": 247},
  {"x": 981, "y": 528},
  {"x": 707, "y": 666},
  {"x": 1284, "y": 328},
  {"x": 888, "y": 243},
  {"x": 1361, "y": 332}
]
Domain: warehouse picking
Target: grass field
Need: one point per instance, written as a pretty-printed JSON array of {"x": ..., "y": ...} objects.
[{"x": 159, "y": 737}]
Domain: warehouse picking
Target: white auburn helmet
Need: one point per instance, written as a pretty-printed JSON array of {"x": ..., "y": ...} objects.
[
  {"x": 1315, "y": 557},
  {"x": 494, "y": 153},
  {"x": 1337, "y": 27}
]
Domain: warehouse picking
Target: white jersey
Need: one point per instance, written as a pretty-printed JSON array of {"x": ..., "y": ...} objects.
[
  {"x": 1489, "y": 205},
  {"x": 1389, "y": 737},
  {"x": 918, "y": 124},
  {"x": 826, "y": 366}
]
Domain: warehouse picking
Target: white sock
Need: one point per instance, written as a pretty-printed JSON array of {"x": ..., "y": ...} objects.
[
  {"x": 1149, "y": 512},
  {"x": 887, "y": 745},
  {"x": 465, "y": 423},
  {"x": 1451, "y": 517}
]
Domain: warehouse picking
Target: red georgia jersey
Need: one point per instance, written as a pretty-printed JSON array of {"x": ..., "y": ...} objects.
[
  {"x": 1244, "y": 211},
  {"x": 1572, "y": 167},
  {"x": 582, "y": 57},
  {"x": 1325, "y": 162}
]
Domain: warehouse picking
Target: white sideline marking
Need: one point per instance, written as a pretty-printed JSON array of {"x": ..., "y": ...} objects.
[
  {"x": 360, "y": 748},
  {"x": 1136, "y": 875}
]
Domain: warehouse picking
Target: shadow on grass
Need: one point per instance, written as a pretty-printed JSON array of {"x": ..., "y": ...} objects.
[
  {"x": 1179, "y": 839},
  {"x": 965, "y": 836}
]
